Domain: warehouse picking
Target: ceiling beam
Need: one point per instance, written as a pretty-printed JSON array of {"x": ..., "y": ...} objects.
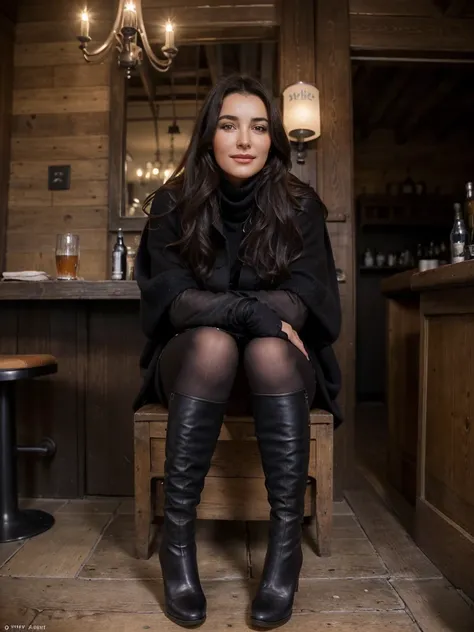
[
  {"x": 394, "y": 34},
  {"x": 221, "y": 34}
]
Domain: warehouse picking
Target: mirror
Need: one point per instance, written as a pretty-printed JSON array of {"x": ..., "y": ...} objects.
[{"x": 160, "y": 111}]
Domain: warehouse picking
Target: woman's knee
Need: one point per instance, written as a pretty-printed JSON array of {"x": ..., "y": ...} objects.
[
  {"x": 275, "y": 366},
  {"x": 214, "y": 351},
  {"x": 266, "y": 352}
]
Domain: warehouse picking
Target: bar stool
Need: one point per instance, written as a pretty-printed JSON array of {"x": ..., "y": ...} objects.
[{"x": 16, "y": 524}]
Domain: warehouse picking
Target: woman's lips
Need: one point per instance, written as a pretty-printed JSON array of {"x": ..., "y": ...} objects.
[{"x": 243, "y": 160}]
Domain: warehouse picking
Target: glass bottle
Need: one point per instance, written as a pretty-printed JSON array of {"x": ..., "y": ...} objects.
[
  {"x": 119, "y": 258},
  {"x": 458, "y": 236}
]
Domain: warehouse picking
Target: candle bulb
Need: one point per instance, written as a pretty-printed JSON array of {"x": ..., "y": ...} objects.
[
  {"x": 129, "y": 16},
  {"x": 169, "y": 36},
  {"x": 84, "y": 24}
]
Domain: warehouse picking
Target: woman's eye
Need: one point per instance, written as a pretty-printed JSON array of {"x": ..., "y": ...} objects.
[
  {"x": 260, "y": 128},
  {"x": 227, "y": 126}
]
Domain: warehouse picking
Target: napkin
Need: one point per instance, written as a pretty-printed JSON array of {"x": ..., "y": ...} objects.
[{"x": 26, "y": 275}]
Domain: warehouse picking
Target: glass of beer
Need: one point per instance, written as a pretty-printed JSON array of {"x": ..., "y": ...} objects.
[{"x": 67, "y": 257}]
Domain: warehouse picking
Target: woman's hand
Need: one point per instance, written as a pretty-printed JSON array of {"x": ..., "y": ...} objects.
[{"x": 293, "y": 337}]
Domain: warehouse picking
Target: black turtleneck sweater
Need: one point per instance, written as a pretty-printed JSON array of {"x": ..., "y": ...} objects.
[{"x": 236, "y": 205}]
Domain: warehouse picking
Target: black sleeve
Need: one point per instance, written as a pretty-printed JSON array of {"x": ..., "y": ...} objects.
[
  {"x": 287, "y": 305},
  {"x": 160, "y": 272},
  {"x": 313, "y": 276},
  {"x": 228, "y": 310}
]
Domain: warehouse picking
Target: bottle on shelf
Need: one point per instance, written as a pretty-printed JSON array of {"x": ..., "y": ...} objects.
[
  {"x": 469, "y": 215},
  {"x": 119, "y": 258},
  {"x": 458, "y": 236}
]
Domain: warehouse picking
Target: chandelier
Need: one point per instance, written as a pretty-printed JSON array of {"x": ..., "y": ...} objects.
[{"x": 127, "y": 27}]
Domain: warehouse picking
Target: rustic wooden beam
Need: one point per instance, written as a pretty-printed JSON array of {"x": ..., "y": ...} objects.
[
  {"x": 296, "y": 42},
  {"x": 222, "y": 34},
  {"x": 335, "y": 185},
  {"x": 375, "y": 33},
  {"x": 401, "y": 8}
]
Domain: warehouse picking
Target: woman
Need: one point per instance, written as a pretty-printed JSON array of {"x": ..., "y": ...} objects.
[{"x": 238, "y": 286}]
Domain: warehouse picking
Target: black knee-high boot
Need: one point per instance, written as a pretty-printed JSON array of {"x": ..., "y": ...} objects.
[
  {"x": 193, "y": 429},
  {"x": 282, "y": 429}
]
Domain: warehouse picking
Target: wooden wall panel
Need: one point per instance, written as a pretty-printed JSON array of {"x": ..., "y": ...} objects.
[
  {"x": 6, "y": 84},
  {"x": 44, "y": 409},
  {"x": 335, "y": 184},
  {"x": 39, "y": 126},
  {"x": 61, "y": 110},
  {"x": 113, "y": 382},
  {"x": 392, "y": 33},
  {"x": 403, "y": 8},
  {"x": 449, "y": 448}
]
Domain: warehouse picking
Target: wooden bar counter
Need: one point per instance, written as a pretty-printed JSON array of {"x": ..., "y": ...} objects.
[
  {"x": 93, "y": 329},
  {"x": 403, "y": 338},
  {"x": 444, "y": 515}
]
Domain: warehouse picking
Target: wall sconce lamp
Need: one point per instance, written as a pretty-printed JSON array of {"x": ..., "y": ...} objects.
[{"x": 301, "y": 116}]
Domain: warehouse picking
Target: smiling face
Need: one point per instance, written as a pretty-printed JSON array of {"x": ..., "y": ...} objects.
[{"x": 242, "y": 137}]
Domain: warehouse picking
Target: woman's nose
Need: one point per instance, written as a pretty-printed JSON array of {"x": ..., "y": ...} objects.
[{"x": 243, "y": 140}]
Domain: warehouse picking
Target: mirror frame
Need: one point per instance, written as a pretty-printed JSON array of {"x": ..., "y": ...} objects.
[{"x": 118, "y": 113}]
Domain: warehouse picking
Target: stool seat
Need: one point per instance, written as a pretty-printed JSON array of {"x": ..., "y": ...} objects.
[
  {"x": 21, "y": 367},
  {"x": 157, "y": 412},
  {"x": 235, "y": 483},
  {"x": 14, "y": 523}
]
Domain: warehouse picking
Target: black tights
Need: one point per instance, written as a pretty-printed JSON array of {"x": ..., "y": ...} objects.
[{"x": 206, "y": 363}]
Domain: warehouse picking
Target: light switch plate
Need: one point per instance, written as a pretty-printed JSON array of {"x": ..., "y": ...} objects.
[{"x": 59, "y": 177}]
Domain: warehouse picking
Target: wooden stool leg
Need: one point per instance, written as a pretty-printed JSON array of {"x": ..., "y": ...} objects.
[
  {"x": 143, "y": 501},
  {"x": 324, "y": 488}
]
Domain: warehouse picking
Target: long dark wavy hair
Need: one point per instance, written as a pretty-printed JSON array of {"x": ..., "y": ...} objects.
[{"x": 273, "y": 242}]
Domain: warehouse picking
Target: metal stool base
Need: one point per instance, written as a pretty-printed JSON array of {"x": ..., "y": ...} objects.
[{"x": 25, "y": 524}]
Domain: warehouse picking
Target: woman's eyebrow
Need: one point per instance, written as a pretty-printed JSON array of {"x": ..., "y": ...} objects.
[{"x": 236, "y": 118}]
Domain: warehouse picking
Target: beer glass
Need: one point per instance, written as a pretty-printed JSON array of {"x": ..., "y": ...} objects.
[{"x": 67, "y": 257}]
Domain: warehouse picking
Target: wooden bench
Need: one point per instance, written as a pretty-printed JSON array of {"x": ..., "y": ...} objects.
[{"x": 234, "y": 487}]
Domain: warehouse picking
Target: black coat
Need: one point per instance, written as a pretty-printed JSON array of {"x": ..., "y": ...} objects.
[{"x": 162, "y": 275}]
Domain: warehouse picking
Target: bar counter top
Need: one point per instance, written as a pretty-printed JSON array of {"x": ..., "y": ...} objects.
[
  {"x": 68, "y": 290},
  {"x": 451, "y": 275}
]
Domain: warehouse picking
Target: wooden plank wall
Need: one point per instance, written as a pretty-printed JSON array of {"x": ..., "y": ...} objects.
[
  {"x": 409, "y": 25},
  {"x": 6, "y": 82},
  {"x": 60, "y": 117}
]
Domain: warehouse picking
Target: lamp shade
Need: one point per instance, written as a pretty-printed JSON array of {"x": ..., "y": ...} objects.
[{"x": 301, "y": 114}]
